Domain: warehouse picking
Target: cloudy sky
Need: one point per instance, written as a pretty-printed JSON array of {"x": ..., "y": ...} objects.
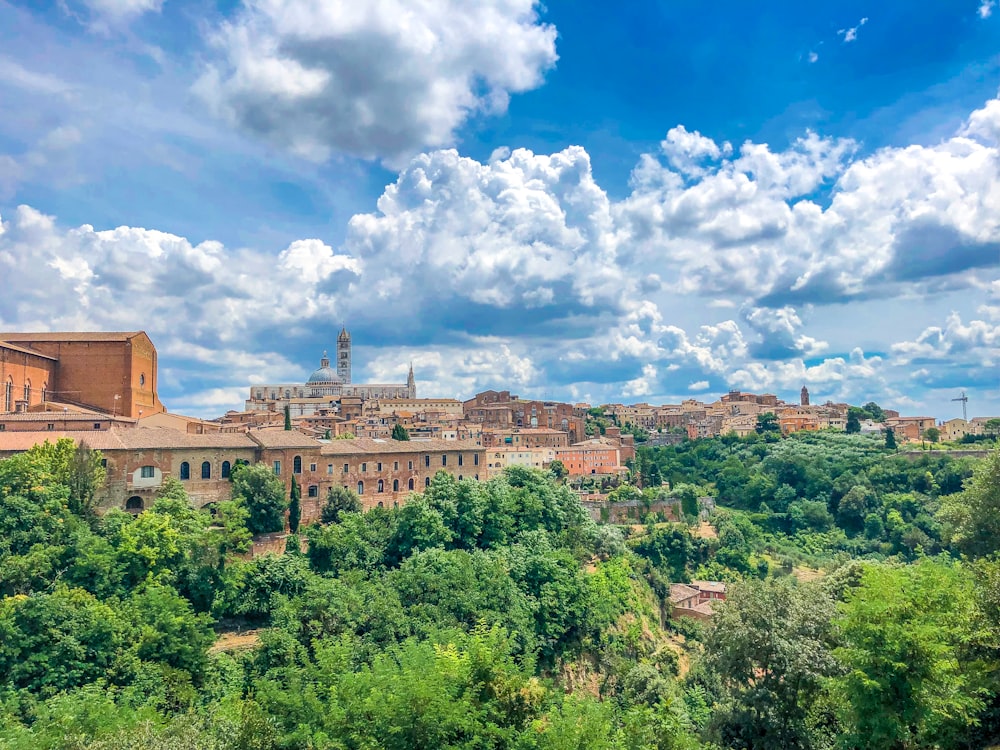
[{"x": 576, "y": 200}]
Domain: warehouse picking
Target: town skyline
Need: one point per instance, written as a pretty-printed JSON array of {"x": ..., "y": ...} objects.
[{"x": 575, "y": 204}]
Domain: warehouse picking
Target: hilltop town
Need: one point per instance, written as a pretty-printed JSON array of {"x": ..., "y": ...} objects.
[{"x": 379, "y": 440}]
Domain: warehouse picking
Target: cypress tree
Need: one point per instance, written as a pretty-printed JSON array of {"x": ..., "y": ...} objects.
[{"x": 295, "y": 507}]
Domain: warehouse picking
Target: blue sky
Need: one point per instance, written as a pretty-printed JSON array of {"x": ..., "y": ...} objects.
[{"x": 575, "y": 201}]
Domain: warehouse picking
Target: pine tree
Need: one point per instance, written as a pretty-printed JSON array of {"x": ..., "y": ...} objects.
[{"x": 295, "y": 507}]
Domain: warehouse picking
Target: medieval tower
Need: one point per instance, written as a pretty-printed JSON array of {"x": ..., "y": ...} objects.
[
  {"x": 804, "y": 396},
  {"x": 344, "y": 355}
]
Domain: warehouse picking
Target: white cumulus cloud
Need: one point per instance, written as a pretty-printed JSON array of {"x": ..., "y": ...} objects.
[{"x": 375, "y": 79}]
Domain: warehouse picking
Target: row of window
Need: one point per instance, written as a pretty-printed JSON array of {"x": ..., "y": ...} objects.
[
  {"x": 8, "y": 393},
  {"x": 206, "y": 470},
  {"x": 147, "y": 472},
  {"x": 380, "y": 485},
  {"x": 297, "y": 464}
]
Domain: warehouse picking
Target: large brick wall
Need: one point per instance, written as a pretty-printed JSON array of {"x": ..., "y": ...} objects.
[{"x": 19, "y": 368}]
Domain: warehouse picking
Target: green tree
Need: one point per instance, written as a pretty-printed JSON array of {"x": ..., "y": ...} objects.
[
  {"x": 890, "y": 439},
  {"x": 558, "y": 469},
  {"x": 769, "y": 646},
  {"x": 399, "y": 432},
  {"x": 908, "y": 683},
  {"x": 874, "y": 411},
  {"x": 688, "y": 495},
  {"x": 933, "y": 434},
  {"x": 767, "y": 424},
  {"x": 853, "y": 424},
  {"x": 971, "y": 518},
  {"x": 263, "y": 495},
  {"x": 295, "y": 507},
  {"x": 288, "y": 417},
  {"x": 339, "y": 500},
  {"x": 57, "y": 641}
]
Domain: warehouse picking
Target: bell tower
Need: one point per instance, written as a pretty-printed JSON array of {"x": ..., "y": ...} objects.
[
  {"x": 344, "y": 355},
  {"x": 411, "y": 384}
]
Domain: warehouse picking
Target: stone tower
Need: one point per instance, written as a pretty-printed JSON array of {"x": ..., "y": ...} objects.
[
  {"x": 804, "y": 396},
  {"x": 344, "y": 355},
  {"x": 411, "y": 384}
]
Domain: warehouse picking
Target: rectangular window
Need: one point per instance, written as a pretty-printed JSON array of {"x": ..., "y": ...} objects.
[
  {"x": 379, "y": 466},
  {"x": 427, "y": 460},
  {"x": 97, "y": 425},
  {"x": 444, "y": 459},
  {"x": 410, "y": 466},
  {"x": 146, "y": 472},
  {"x": 364, "y": 467},
  {"x": 329, "y": 468},
  {"x": 312, "y": 467},
  {"x": 313, "y": 490},
  {"x": 347, "y": 468},
  {"x": 395, "y": 465},
  {"x": 475, "y": 459},
  {"x": 50, "y": 426},
  {"x": 460, "y": 462},
  {"x": 277, "y": 468}
]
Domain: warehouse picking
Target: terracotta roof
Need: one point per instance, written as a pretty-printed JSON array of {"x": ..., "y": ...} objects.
[
  {"x": 166, "y": 437},
  {"x": 716, "y": 587},
  {"x": 71, "y": 336},
  {"x": 137, "y": 438},
  {"x": 58, "y": 416},
  {"x": 680, "y": 592},
  {"x": 372, "y": 445},
  {"x": 275, "y": 438},
  {"x": 24, "y": 350},
  {"x": 18, "y": 442}
]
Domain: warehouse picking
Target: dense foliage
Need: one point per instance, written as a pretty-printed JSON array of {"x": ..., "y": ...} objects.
[{"x": 498, "y": 615}]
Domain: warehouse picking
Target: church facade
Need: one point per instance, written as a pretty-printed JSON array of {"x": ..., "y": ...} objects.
[{"x": 325, "y": 387}]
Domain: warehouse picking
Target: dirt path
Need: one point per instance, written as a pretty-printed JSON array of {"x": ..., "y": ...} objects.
[{"x": 235, "y": 641}]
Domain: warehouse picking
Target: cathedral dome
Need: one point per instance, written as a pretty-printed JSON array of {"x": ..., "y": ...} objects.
[{"x": 324, "y": 375}]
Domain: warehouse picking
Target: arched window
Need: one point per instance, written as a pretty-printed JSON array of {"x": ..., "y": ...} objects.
[
  {"x": 427, "y": 481},
  {"x": 381, "y": 486},
  {"x": 226, "y": 469},
  {"x": 134, "y": 504},
  {"x": 459, "y": 477},
  {"x": 395, "y": 485},
  {"x": 185, "y": 470},
  {"x": 45, "y": 390},
  {"x": 380, "y": 503},
  {"x": 206, "y": 470},
  {"x": 409, "y": 485},
  {"x": 361, "y": 488},
  {"x": 27, "y": 391},
  {"x": 8, "y": 395},
  {"x": 297, "y": 465}
]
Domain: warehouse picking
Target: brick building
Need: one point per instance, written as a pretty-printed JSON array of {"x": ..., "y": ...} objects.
[
  {"x": 110, "y": 372},
  {"x": 596, "y": 456},
  {"x": 138, "y": 460}
]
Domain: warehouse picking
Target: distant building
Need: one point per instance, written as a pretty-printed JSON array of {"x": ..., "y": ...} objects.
[
  {"x": 326, "y": 387},
  {"x": 804, "y": 397}
]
